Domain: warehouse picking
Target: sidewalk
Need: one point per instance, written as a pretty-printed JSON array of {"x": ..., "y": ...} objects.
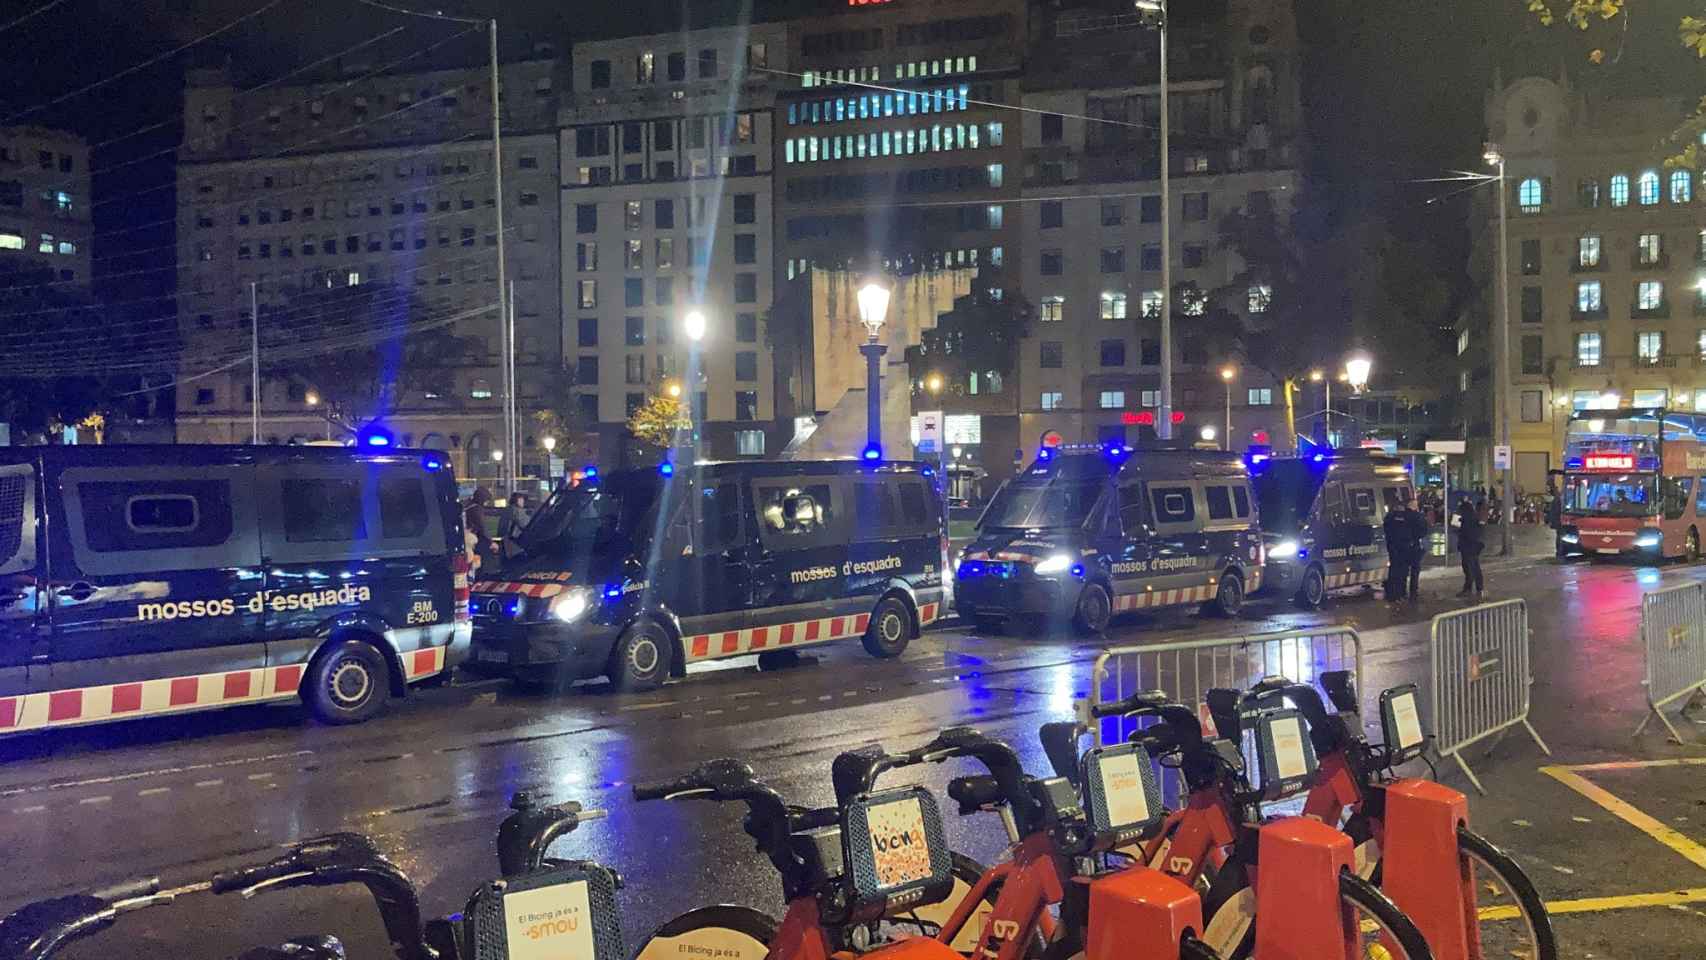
[{"x": 1529, "y": 542}]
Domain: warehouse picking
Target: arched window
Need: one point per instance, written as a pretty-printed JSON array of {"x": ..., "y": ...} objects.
[
  {"x": 1681, "y": 186},
  {"x": 1647, "y": 188},
  {"x": 1530, "y": 194},
  {"x": 1620, "y": 190}
]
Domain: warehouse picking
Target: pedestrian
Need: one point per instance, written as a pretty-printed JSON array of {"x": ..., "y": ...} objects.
[
  {"x": 1418, "y": 530},
  {"x": 515, "y": 519},
  {"x": 474, "y": 524},
  {"x": 1398, "y": 548},
  {"x": 1470, "y": 540}
]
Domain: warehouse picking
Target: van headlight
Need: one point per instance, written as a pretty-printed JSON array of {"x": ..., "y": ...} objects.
[
  {"x": 1284, "y": 550},
  {"x": 1055, "y": 563},
  {"x": 571, "y": 604}
]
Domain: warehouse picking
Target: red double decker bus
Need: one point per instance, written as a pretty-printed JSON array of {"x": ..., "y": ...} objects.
[{"x": 1634, "y": 484}]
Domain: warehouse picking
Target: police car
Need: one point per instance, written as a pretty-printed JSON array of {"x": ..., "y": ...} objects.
[
  {"x": 1322, "y": 516},
  {"x": 1087, "y": 532},
  {"x": 636, "y": 574},
  {"x": 147, "y": 580}
]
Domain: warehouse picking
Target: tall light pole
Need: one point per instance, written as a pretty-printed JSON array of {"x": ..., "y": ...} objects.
[
  {"x": 1226, "y": 375},
  {"x": 1317, "y": 376},
  {"x": 693, "y": 324},
  {"x": 873, "y": 308},
  {"x": 1156, "y": 12},
  {"x": 1502, "y": 374}
]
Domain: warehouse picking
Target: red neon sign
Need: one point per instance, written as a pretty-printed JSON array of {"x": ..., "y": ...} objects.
[
  {"x": 1608, "y": 461},
  {"x": 866, "y": 3},
  {"x": 1144, "y": 419},
  {"x": 1052, "y": 439},
  {"x": 1178, "y": 418}
]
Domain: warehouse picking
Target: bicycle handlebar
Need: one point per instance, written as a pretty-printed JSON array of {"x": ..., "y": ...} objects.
[
  {"x": 526, "y": 835},
  {"x": 856, "y": 772},
  {"x": 769, "y": 820}
]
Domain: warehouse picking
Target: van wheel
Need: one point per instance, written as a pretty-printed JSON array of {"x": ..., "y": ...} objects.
[
  {"x": 347, "y": 683},
  {"x": 640, "y": 659},
  {"x": 890, "y": 629},
  {"x": 1093, "y": 610},
  {"x": 1312, "y": 590},
  {"x": 1228, "y": 596}
]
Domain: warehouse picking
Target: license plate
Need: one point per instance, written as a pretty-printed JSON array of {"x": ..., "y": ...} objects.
[
  {"x": 491, "y": 656},
  {"x": 1609, "y": 550}
]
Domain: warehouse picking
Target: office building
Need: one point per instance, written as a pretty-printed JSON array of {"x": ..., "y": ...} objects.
[
  {"x": 368, "y": 178},
  {"x": 44, "y": 206},
  {"x": 666, "y": 208},
  {"x": 1606, "y": 251}
]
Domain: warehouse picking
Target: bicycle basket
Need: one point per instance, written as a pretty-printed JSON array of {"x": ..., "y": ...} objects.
[
  {"x": 895, "y": 851},
  {"x": 1401, "y": 724},
  {"x": 1284, "y": 755},
  {"x": 1122, "y": 795},
  {"x": 559, "y": 911}
]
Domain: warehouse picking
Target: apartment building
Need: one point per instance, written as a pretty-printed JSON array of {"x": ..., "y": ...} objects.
[
  {"x": 1607, "y": 248},
  {"x": 666, "y": 166},
  {"x": 44, "y": 205},
  {"x": 1090, "y": 220},
  {"x": 368, "y": 177}
]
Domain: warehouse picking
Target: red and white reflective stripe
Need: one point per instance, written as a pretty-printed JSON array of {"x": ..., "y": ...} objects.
[
  {"x": 1164, "y": 598},
  {"x": 423, "y": 663},
  {"x": 539, "y": 590},
  {"x": 1337, "y": 580},
  {"x": 927, "y": 612},
  {"x": 728, "y": 643}
]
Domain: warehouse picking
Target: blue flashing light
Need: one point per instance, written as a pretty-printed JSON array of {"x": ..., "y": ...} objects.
[
  {"x": 613, "y": 591},
  {"x": 928, "y": 471},
  {"x": 872, "y": 452},
  {"x": 591, "y": 472},
  {"x": 666, "y": 468},
  {"x": 971, "y": 568},
  {"x": 1045, "y": 455},
  {"x": 1303, "y": 554},
  {"x": 1573, "y": 463},
  {"x": 1078, "y": 570},
  {"x": 513, "y": 608},
  {"x": 374, "y": 435},
  {"x": 431, "y": 463},
  {"x": 1318, "y": 458}
]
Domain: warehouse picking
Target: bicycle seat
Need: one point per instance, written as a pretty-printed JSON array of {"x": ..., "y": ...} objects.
[{"x": 973, "y": 793}]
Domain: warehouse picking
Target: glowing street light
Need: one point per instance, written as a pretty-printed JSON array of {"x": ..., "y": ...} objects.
[
  {"x": 1226, "y": 375},
  {"x": 312, "y": 399},
  {"x": 933, "y": 383},
  {"x": 873, "y": 307},
  {"x": 549, "y": 443},
  {"x": 497, "y": 456},
  {"x": 873, "y": 310},
  {"x": 1357, "y": 369},
  {"x": 1207, "y": 433},
  {"x": 673, "y": 388},
  {"x": 694, "y": 325}
]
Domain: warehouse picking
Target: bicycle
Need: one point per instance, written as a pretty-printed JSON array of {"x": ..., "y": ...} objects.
[
  {"x": 1213, "y": 840},
  {"x": 1351, "y": 786},
  {"x": 40, "y": 930}
]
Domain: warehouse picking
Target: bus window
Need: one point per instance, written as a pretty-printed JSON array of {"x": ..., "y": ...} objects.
[
  {"x": 1219, "y": 502},
  {"x": 1700, "y": 499},
  {"x": 1676, "y": 492}
]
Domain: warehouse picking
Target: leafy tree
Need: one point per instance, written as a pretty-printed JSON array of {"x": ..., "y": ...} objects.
[
  {"x": 362, "y": 348},
  {"x": 559, "y": 414},
  {"x": 660, "y": 420}
]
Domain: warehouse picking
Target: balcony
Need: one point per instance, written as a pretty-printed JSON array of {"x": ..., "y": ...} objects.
[
  {"x": 1637, "y": 261},
  {"x": 1580, "y": 363},
  {"x": 1660, "y": 311},
  {"x": 1655, "y": 362}
]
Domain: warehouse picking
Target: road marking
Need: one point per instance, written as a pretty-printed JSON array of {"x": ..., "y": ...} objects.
[
  {"x": 1627, "y": 812},
  {"x": 260, "y": 776},
  {"x": 1636, "y": 764},
  {"x": 163, "y": 771},
  {"x": 153, "y": 791},
  {"x": 646, "y": 706},
  {"x": 91, "y": 801},
  {"x": 35, "y": 809},
  {"x": 208, "y": 783},
  {"x": 1629, "y": 901},
  {"x": 713, "y": 713}
]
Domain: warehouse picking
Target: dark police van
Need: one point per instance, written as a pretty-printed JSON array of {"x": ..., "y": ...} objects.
[
  {"x": 1088, "y": 532},
  {"x": 145, "y": 580},
  {"x": 638, "y": 573},
  {"x": 1322, "y": 517}
]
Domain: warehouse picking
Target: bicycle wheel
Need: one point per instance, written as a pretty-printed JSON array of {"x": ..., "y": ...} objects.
[
  {"x": 1383, "y": 931},
  {"x": 737, "y": 933},
  {"x": 1513, "y": 920}
]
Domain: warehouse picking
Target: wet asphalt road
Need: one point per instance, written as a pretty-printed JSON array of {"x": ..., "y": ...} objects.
[{"x": 181, "y": 797}]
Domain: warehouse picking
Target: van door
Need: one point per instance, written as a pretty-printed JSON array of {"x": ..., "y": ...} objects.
[
  {"x": 718, "y": 583},
  {"x": 1129, "y": 556},
  {"x": 23, "y": 629},
  {"x": 153, "y": 573},
  {"x": 801, "y": 573},
  {"x": 1179, "y": 565}
]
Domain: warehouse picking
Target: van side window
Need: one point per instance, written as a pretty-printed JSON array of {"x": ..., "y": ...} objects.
[
  {"x": 1219, "y": 502},
  {"x": 1333, "y": 503},
  {"x": 1361, "y": 502},
  {"x": 155, "y": 515},
  {"x": 873, "y": 505},
  {"x": 1173, "y": 504},
  {"x": 1393, "y": 497},
  {"x": 721, "y": 513},
  {"x": 17, "y": 518},
  {"x": 797, "y": 515},
  {"x": 316, "y": 510},
  {"x": 1241, "y": 502},
  {"x": 402, "y": 508},
  {"x": 912, "y": 503},
  {"x": 1131, "y": 507}
]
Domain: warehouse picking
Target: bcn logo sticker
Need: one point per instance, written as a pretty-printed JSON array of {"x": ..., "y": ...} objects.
[{"x": 899, "y": 849}]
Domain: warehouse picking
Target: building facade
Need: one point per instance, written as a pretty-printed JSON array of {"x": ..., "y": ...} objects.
[
  {"x": 1090, "y": 221},
  {"x": 44, "y": 206},
  {"x": 1606, "y": 251},
  {"x": 666, "y": 153},
  {"x": 369, "y": 178}
]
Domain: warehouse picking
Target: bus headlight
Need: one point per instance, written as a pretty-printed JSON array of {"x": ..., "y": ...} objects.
[
  {"x": 1570, "y": 536},
  {"x": 571, "y": 604},
  {"x": 1056, "y": 563},
  {"x": 1284, "y": 550},
  {"x": 1648, "y": 538}
]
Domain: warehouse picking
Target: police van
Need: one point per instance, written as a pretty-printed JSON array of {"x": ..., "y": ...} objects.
[
  {"x": 145, "y": 580},
  {"x": 1087, "y": 532},
  {"x": 1322, "y": 517},
  {"x": 635, "y": 574}
]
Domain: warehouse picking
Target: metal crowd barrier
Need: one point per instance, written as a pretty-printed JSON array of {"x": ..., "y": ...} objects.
[
  {"x": 1481, "y": 677},
  {"x": 1187, "y": 670},
  {"x": 1673, "y": 638}
]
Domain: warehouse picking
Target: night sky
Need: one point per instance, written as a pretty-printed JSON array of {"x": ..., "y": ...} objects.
[{"x": 1394, "y": 91}]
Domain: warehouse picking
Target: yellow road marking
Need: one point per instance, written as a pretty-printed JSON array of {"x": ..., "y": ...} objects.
[
  {"x": 1669, "y": 898},
  {"x": 1634, "y": 764},
  {"x": 1627, "y": 812}
]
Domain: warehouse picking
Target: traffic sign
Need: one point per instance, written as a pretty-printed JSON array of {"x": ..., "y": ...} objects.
[
  {"x": 1501, "y": 457},
  {"x": 1447, "y": 446},
  {"x": 929, "y": 431}
]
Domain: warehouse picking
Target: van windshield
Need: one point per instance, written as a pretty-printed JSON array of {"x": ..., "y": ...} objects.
[
  {"x": 1029, "y": 505},
  {"x": 1285, "y": 492},
  {"x": 581, "y": 523}
]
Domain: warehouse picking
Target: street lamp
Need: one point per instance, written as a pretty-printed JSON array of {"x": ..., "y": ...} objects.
[
  {"x": 1207, "y": 433},
  {"x": 1326, "y": 382},
  {"x": 1226, "y": 375},
  {"x": 673, "y": 388},
  {"x": 549, "y": 443},
  {"x": 1357, "y": 369},
  {"x": 933, "y": 383},
  {"x": 313, "y": 399},
  {"x": 694, "y": 325},
  {"x": 1155, "y": 11},
  {"x": 497, "y": 456},
  {"x": 873, "y": 309},
  {"x": 1495, "y": 158}
]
